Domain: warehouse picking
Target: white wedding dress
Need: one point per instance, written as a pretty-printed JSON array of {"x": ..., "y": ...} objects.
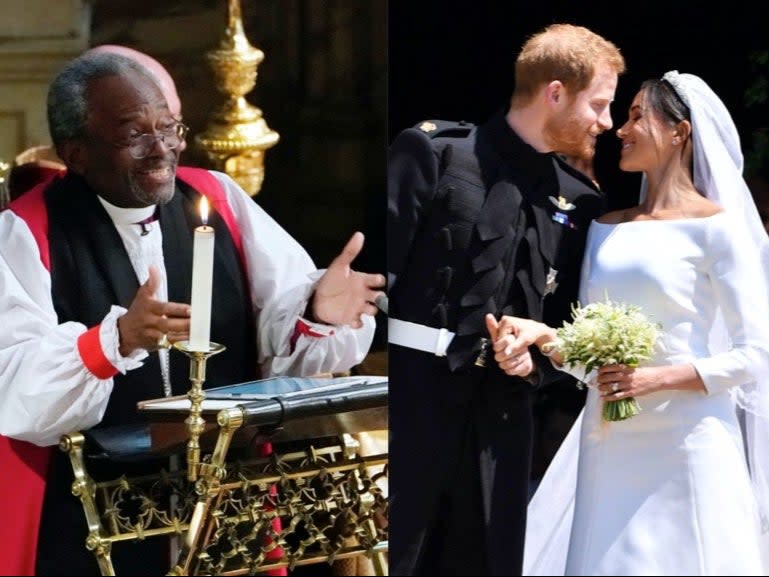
[{"x": 666, "y": 492}]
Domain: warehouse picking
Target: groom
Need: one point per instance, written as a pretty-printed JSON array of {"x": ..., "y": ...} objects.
[{"x": 484, "y": 219}]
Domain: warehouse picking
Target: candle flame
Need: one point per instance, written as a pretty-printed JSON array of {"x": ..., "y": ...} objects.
[{"x": 204, "y": 210}]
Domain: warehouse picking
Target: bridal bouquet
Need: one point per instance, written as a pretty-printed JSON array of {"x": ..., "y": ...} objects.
[{"x": 608, "y": 333}]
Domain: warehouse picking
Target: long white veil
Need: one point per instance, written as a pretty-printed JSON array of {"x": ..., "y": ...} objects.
[{"x": 718, "y": 165}]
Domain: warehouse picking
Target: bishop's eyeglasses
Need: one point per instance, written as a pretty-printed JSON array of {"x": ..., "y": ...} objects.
[{"x": 140, "y": 145}]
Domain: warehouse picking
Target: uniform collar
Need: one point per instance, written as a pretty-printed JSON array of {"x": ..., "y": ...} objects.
[{"x": 529, "y": 165}]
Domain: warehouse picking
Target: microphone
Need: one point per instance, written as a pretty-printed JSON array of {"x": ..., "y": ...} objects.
[{"x": 381, "y": 303}]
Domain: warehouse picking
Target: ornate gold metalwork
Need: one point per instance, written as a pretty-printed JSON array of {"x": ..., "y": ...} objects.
[
  {"x": 237, "y": 135},
  {"x": 84, "y": 489},
  {"x": 483, "y": 354},
  {"x": 195, "y": 423},
  {"x": 329, "y": 504}
]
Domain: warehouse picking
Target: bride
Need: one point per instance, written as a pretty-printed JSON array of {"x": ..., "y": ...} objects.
[{"x": 682, "y": 487}]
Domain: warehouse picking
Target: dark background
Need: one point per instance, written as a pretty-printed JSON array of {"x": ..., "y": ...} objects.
[
  {"x": 454, "y": 59},
  {"x": 322, "y": 86}
]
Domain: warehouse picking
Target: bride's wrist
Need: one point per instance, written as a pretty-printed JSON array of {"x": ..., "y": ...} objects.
[
  {"x": 546, "y": 342},
  {"x": 548, "y": 348}
]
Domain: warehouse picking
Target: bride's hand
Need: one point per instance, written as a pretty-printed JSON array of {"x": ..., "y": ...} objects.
[
  {"x": 616, "y": 382},
  {"x": 526, "y": 331}
]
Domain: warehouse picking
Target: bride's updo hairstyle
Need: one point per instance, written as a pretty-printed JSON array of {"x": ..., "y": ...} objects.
[{"x": 662, "y": 101}]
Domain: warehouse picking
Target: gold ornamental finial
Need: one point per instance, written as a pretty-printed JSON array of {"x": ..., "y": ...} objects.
[
  {"x": 233, "y": 15},
  {"x": 237, "y": 136}
]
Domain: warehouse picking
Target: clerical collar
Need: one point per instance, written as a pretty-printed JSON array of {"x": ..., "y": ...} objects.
[{"x": 121, "y": 215}]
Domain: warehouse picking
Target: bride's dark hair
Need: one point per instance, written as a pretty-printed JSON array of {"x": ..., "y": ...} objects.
[{"x": 662, "y": 98}]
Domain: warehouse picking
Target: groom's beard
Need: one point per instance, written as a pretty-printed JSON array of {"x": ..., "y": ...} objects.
[{"x": 567, "y": 135}]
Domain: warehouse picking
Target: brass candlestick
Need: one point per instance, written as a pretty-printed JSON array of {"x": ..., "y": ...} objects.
[
  {"x": 195, "y": 423},
  {"x": 237, "y": 136}
]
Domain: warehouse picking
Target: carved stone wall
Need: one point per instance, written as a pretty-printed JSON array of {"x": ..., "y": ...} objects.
[{"x": 36, "y": 38}]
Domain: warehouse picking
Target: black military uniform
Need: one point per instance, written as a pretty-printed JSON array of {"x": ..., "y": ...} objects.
[{"x": 479, "y": 222}]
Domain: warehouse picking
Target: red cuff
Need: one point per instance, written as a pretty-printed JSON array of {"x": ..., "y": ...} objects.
[
  {"x": 89, "y": 347},
  {"x": 302, "y": 328}
]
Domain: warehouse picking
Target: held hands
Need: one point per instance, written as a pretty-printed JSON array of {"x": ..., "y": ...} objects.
[
  {"x": 148, "y": 319},
  {"x": 343, "y": 294},
  {"x": 511, "y": 338},
  {"x": 510, "y": 343}
]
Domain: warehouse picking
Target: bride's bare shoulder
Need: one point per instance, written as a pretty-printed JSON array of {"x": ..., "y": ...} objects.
[{"x": 704, "y": 208}]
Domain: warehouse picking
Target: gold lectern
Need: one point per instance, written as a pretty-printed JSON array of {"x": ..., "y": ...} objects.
[{"x": 315, "y": 499}]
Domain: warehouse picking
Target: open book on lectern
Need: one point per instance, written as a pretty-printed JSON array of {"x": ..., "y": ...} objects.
[
  {"x": 285, "y": 408},
  {"x": 228, "y": 396}
]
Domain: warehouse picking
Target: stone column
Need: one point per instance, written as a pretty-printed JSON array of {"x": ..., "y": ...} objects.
[{"x": 39, "y": 36}]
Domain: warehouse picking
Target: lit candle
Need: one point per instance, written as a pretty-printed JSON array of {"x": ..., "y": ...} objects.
[{"x": 202, "y": 282}]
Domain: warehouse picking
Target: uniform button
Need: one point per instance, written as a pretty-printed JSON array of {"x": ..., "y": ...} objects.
[
  {"x": 446, "y": 239},
  {"x": 446, "y": 155},
  {"x": 444, "y": 278}
]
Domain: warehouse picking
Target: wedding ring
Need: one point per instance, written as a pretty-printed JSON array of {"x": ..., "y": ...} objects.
[
  {"x": 163, "y": 342},
  {"x": 614, "y": 387}
]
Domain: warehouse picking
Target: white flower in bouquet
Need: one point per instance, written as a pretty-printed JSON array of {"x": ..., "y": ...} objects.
[{"x": 608, "y": 333}]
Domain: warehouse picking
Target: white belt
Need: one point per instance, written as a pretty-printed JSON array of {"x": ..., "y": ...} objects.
[{"x": 419, "y": 337}]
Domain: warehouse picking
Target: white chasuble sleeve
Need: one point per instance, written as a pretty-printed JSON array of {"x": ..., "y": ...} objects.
[
  {"x": 282, "y": 277},
  {"x": 46, "y": 389}
]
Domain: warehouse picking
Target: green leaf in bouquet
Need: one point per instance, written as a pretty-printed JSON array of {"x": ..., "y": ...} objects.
[{"x": 608, "y": 333}]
